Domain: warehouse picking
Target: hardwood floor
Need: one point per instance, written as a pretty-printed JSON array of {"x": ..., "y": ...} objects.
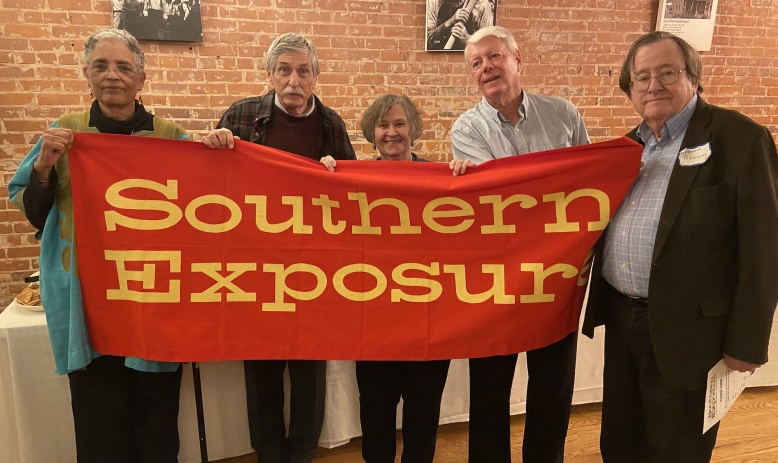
[{"x": 748, "y": 434}]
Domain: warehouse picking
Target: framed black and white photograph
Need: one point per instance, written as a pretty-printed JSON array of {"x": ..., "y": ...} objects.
[
  {"x": 160, "y": 20},
  {"x": 451, "y": 22}
]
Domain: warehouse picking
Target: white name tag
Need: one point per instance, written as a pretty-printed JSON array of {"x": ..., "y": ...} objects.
[{"x": 694, "y": 156}]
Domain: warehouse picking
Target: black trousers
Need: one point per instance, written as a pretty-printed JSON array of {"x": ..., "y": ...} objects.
[
  {"x": 123, "y": 415},
  {"x": 643, "y": 418},
  {"x": 381, "y": 384},
  {"x": 551, "y": 376},
  {"x": 265, "y": 401}
]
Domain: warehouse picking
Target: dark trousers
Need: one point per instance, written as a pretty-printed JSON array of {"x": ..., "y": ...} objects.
[
  {"x": 123, "y": 415},
  {"x": 381, "y": 384},
  {"x": 644, "y": 419},
  {"x": 265, "y": 401},
  {"x": 551, "y": 376}
]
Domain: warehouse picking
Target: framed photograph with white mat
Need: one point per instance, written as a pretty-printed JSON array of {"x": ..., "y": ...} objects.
[{"x": 691, "y": 20}]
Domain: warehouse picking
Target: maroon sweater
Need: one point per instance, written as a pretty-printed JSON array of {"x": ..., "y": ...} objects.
[{"x": 298, "y": 135}]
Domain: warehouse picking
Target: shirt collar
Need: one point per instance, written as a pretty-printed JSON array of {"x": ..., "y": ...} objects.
[
  {"x": 492, "y": 112},
  {"x": 674, "y": 126},
  {"x": 280, "y": 106}
]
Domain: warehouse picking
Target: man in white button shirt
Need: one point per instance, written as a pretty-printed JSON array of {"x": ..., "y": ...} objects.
[
  {"x": 685, "y": 273},
  {"x": 509, "y": 121}
]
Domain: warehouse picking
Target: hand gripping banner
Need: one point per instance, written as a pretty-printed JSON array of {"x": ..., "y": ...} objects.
[{"x": 192, "y": 254}]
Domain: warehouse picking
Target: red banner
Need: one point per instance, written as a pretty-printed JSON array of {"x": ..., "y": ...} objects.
[{"x": 192, "y": 254}]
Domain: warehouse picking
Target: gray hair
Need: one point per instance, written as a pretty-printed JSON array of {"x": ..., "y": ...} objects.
[
  {"x": 492, "y": 31},
  {"x": 115, "y": 34},
  {"x": 291, "y": 42},
  {"x": 381, "y": 106},
  {"x": 691, "y": 59}
]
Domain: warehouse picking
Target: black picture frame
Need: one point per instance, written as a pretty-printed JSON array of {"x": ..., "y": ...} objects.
[
  {"x": 441, "y": 21},
  {"x": 160, "y": 20}
]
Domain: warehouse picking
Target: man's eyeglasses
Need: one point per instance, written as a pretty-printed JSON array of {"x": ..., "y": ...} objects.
[{"x": 665, "y": 77}]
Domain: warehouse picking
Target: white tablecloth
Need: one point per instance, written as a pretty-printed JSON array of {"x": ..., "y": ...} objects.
[{"x": 36, "y": 425}]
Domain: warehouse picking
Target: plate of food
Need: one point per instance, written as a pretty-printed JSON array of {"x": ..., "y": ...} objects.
[{"x": 30, "y": 297}]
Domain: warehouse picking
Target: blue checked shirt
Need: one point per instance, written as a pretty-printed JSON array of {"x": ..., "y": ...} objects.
[
  {"x": 629, "y": 242},
  {"x": 546, "y": 123}
]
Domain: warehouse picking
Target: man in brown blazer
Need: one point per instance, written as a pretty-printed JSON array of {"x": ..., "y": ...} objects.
[{"x": 687, "y": 271}]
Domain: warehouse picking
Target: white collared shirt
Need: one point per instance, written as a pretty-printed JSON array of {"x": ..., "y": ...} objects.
[{"x": 280, "y": 106}]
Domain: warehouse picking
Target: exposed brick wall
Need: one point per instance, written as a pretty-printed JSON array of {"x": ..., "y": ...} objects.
[{"x": 571, "y": 48}]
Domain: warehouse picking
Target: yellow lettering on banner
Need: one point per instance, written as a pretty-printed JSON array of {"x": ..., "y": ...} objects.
[
  {"x": 464, "y": 209},
  {"x": 147, "y": 276},
  {"x": 343, "y": 272},
  {"x": 284, "y": 274},
  {"x": 295, "y": 222},
  {"x": 326, "y": 214},
  {"x": 496, "y": 292},
  {"x": 562, "y": 201},
  {"x": 212, "y": 269},
  {"x": 540, "y": 275},
  {"x": 113, "y": 195},
  {"x": 232, "y": 222},
  {"x": 498, "y": 211},
  {"x": 583, "y": 274},
  {"x": 405, "y": 227},
  {"x": 447, "y": 207},
  {"x": 282, "y": 289},
  {"x": 436, "y": 289}
]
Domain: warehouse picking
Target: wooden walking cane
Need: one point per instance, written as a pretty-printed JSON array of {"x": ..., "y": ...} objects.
[{"x": 198, "y": 393}]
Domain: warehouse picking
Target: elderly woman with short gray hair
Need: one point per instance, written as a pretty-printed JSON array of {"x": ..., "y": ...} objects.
[
  {"x": 124, "y": 409},
  {"x": 393, "y": 124}
]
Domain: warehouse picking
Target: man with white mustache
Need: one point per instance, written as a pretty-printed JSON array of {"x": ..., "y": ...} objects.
[
  {"x": 508, "y": 121},
  {"x": 290, "y": 118}
]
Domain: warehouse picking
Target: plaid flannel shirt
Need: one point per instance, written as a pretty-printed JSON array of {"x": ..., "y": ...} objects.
[{"x": 248, "y": 120}]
